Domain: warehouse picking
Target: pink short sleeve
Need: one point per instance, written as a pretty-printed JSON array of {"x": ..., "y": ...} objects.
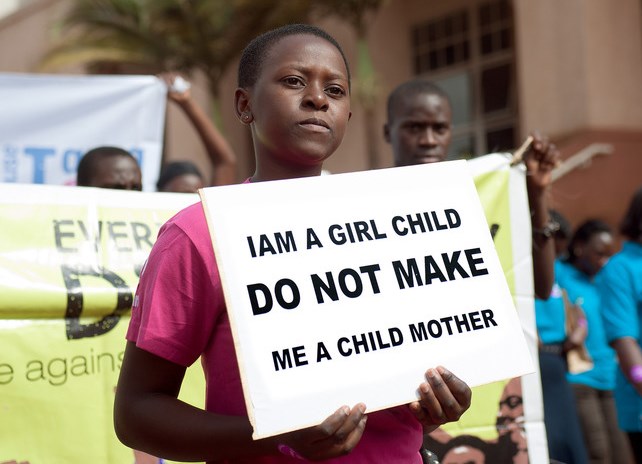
[{"x": 179, "y": 298}]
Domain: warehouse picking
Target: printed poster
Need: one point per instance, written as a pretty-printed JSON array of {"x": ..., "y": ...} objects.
[{"x": 368, "y": 279}]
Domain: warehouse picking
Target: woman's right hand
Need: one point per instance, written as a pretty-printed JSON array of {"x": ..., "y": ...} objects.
[{"x": 335, "y": 436}]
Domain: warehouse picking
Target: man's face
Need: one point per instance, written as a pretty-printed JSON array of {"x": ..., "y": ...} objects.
[
  {"x": 510, "y": 416},
  {"x": 419, "y": 129},
  {"x": 117, "y": 172}
]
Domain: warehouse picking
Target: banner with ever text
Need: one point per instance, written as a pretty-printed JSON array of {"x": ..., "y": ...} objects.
[
  {"x": 69, "y": 264},
  {"x": 48, "y": 122}
]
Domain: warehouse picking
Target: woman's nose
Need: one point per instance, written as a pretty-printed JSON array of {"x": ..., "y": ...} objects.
[{"x": 315, "y": 98}]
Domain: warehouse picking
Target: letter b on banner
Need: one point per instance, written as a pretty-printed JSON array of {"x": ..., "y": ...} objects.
[{"x": 75, "y": 301}]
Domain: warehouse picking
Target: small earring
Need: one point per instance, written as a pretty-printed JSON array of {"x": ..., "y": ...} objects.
[{"x": 246, "y": 117}]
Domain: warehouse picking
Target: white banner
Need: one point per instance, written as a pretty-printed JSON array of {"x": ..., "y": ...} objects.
[
  {"x": 47, "y": 122},
  {"x": 349, "y": 289}
]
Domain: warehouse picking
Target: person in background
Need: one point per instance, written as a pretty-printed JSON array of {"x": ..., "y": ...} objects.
[
  {"x": 113, "y": 168},
  {"x": 620, "y": 289},
  {"x": 181, "y": 177},
  {"x": 419, "y": 129},
  {"x": 588, "y": 251},
  {"x": 109, "y": 167},
  {"x": 563, "y": 430}
]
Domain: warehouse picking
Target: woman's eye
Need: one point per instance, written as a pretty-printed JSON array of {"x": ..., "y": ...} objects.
[
  {"x": 294, "y": 81},
  {"x": 335, "y": 90}
]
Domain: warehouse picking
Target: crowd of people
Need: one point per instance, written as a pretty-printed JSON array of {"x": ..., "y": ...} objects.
[{"x": 297, "y": 105}]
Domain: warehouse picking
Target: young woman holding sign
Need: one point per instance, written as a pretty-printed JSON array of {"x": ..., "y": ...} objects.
[{"x": 294, "y": 93}]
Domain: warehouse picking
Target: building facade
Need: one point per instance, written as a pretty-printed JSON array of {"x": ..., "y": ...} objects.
[{"x": 571, "y": 70}]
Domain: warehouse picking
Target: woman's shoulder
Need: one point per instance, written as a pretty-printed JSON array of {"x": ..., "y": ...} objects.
[
  {"x": 190, "y": 219},
  {"x": 561, "y": 266},
  {"x": 631, "y": 251},
  {"x": 564, "y": 272},
  {"x": 192, "y": 214},
  {"x": 189, "y": 224},
  {"x": 630, "y": 256},
  {"x": 623, "y": 268}
]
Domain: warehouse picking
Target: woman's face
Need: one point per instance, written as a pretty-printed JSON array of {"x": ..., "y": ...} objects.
[
  {"x": 593, "y": 254},
  {"x": 300, "y": 103}
]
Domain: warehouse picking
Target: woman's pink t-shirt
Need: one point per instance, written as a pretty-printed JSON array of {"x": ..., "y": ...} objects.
[{"x": 179, "y": 314}]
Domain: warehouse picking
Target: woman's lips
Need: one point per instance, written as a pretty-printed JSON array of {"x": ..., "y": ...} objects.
[{"x": 315, "y": 125}]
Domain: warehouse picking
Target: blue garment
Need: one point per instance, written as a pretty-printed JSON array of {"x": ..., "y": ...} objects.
[
  {"x": 550, "y": 316},
  {"x": 620, "y": 287},
  {"x": 563, "y": 432},
  {"x": 582, "y": 291}
]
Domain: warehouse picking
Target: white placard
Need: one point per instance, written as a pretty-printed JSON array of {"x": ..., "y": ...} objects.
[{"x": 346, "y": 288}]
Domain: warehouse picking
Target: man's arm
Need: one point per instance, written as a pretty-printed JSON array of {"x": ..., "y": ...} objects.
[
  {"x": 540, "y": 160},
  {"x": 629, "y": 355},
  {"x": 218, "y": 149}
]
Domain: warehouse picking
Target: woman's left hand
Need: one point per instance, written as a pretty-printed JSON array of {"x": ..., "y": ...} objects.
[{"x": 443, "y": 398}]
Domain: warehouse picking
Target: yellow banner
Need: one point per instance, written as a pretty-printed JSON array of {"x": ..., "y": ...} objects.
[
  {"x": 69, "y": 264},
  {"x": 497, "y": 424}
]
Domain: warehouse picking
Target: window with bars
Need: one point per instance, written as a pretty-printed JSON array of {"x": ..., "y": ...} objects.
[{"x": 470, "y": 54}]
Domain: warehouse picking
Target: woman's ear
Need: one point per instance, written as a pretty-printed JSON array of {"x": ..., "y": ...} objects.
[{"x": 242, "y": 106}]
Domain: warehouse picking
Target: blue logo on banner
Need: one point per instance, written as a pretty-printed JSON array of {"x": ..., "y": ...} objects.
[{"x": 37, "y": 158}]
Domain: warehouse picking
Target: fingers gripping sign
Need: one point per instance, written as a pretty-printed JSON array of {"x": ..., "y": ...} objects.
[
  {"x": 442, "y": 398},
  {"x": 335, "y": 436}
]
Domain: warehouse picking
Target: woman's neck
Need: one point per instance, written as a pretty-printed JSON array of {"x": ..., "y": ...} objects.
[{"x": 264, "y": 174}]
